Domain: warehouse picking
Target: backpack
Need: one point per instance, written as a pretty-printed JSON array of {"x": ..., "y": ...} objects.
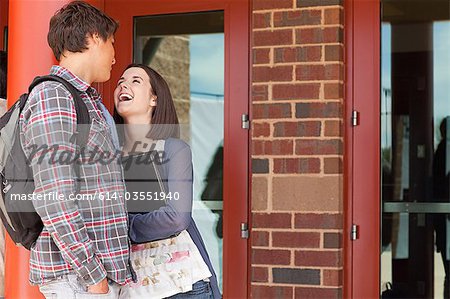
[{"x": 19, "y": 217}]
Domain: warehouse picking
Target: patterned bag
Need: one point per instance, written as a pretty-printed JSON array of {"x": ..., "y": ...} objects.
[{"x": 166, "y": 267}]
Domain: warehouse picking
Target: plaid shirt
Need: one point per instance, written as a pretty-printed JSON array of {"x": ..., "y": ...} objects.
[{"x": 85, "y": 237}]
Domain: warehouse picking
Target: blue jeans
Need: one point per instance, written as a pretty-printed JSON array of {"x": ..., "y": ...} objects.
[
  {"x": 68, "y": 287},
  {"x": 200, "y": 290}
]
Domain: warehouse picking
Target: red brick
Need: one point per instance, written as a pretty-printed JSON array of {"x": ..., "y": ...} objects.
[
  {"x": 271, "y": 220},
  {"x": 318, "y": 147},
  {"x": 332, "y": 35},
  {"x": 260, "y": 238},
  {"x": 318, "y": 72},
  {"x": 260, "y": 274},
  {"x": 298, "y": 54},
  {"x": 318, "y": 110},
  {"x": 333, "y": 128},
  {"x": 271, "y": 4},
  {"x": 318, "y": 35},
  {"x": 265, "y": 111},
  {"x": 319, "y": 221},
  {"x": 334, "y": 53},
  {"x": 309, "y": 36},
  {"x": 333, "y": 90},
  {"x": 297, "y": 129},
  {"x": 332, "y": 277},
  {"x": 275, "y": 74},
  {"x": 312, "y": 3},
  {"x": 261, "y": 20},
  {"x": 273, "y": 147},
  {"x": 296, "y": 276},
  {"x": 296, "y": 239},
  {"x": 305, "y": 258},
  {"x": 333, "y": 166},
  {"x": 257, "y": 148},
  {"x": 296, "y": 91},
  {"x": 322, "y": 293},
  {"x": 332, "y": 240},
  {"x": 310, "y": 72},
  {"x": 297, "y": 18},
  {"x": 260, "y": 93},
  {"x": 261, "y": 56},
  {"x": 333, "y": 16},
  {"x": 272, "y": 37},
  {"x": 271, "y": 292},
  {"x": 260, "y": 165},
  {"x": 285, "y": 55},
  {"x": 296, "y": 165},
  {"x": 260, "y": 129},
  {"x": 306, "y": 54},
  {"x": 271, "y": 257}
]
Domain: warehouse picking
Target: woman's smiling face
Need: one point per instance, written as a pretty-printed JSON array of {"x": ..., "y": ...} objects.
[{"x": 133, "y": 95}]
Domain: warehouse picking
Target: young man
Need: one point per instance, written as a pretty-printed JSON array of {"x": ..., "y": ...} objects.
[{"x": 84, "y": 243}]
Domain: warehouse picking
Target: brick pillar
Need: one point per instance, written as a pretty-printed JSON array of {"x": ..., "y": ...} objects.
[{"x": 297, "y": 149}]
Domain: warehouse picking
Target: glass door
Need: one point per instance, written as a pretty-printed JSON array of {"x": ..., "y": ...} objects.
[
  {"x": 201, "y": 49},
  {"x": 415, "y": 158},
  {"x": 189, "y": 54}
]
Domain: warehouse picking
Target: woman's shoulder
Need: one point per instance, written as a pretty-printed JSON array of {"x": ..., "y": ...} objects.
[{"x": 176, "y": 144}]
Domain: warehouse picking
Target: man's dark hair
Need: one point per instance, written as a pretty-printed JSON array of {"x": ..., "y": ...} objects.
[
  {"x": 3, "y": 69},
  {"x": 72, "y": 24}
]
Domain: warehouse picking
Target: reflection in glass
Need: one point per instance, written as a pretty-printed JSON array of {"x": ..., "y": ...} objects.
[
  {"x": 188, "y": 51},
  {"x": 441, "y": 161},
  {"x": 415, "y": 104}
]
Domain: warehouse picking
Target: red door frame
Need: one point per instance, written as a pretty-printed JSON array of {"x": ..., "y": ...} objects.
[
  {"x": 236, "y": 147},
  {"x": 362, "y": 256},
  {"x": 3, "y": 19},
  {"x": 28, "y": 25}
]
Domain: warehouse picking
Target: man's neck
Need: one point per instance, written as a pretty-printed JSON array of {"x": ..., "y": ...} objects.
[{"x": 76, "y": 65}]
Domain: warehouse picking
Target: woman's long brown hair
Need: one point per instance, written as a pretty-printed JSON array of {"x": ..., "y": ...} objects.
[{"x": 164, "y": 118}]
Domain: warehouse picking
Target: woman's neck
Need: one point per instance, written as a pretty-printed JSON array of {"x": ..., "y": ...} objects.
[{"x": 136, "y": 132}]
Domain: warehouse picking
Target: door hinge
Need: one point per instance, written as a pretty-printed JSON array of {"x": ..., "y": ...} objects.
[
  {"x": 245, "y": 121},
  {"x": 244, "y": 230},
  {"x": 354, "y": 233},
  {"x": 355, "y": 118}
]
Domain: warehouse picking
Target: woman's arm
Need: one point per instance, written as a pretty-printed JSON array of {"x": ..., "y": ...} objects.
[{"x": 175, "y": 216}]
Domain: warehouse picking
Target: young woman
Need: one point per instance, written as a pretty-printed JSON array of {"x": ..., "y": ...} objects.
[{"x": 143, "y": 103}]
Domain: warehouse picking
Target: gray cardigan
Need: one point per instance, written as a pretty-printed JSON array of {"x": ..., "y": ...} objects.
[{"x": 176, "y": 215}]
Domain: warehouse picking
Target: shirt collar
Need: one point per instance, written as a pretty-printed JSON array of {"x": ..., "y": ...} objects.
[{"x": 76, "y": 81}]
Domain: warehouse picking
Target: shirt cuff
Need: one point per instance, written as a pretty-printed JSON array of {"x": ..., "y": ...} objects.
[{"x": 91, "y": 272}]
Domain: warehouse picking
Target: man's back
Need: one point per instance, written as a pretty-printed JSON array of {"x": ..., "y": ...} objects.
[
  {"x": 84, "y": 240},
  {"x": 85, "y": 232}
]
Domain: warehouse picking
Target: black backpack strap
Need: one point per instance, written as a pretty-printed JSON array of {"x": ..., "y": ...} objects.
[
  {"x": 81, "y": 135},
  {"x": 81, "y": 109}
]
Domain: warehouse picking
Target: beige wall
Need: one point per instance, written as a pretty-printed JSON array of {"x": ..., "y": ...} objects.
[{"x": 172, "y": 61}]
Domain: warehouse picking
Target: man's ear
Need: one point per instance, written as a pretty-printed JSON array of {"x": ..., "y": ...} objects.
[
  {"x": 93, "y": 39},
  {"x": 89, "y": 41},
  {"x": 96, "y": 37}
]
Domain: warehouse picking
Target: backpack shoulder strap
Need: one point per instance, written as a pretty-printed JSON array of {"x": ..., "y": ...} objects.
[
  {"x": 80, "y": 137},
  {"x": 81, "y": 109}
]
